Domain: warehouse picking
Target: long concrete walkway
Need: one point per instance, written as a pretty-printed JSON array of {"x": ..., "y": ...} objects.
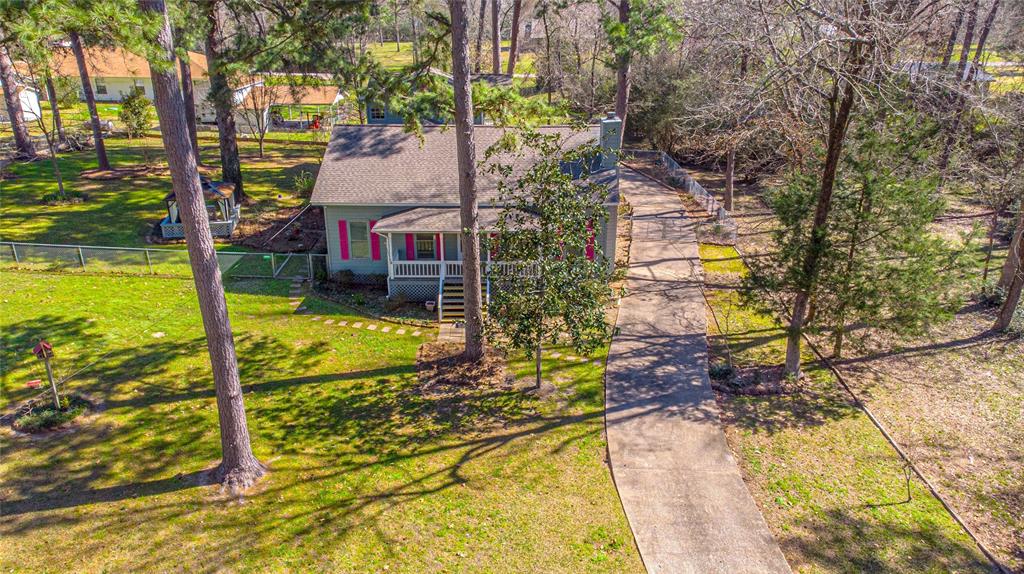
[{"x": 680, "y": 487}]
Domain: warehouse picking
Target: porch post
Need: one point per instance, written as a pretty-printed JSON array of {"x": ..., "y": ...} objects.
[{"x": 391, "y": 267}]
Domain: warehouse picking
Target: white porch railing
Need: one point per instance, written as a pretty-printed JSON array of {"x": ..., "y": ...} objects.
[
  {"x": 442, "y": 269},
  {"x": 415, "y": 269}
]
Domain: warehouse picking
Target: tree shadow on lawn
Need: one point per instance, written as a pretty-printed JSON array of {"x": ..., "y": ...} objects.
[{"x": 844, "y": 539}]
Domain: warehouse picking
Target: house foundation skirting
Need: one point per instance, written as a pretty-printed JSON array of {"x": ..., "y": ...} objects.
[{"x": 414, "y": 289}]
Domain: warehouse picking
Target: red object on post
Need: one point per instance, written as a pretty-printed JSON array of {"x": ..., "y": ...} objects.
[{"x": 43, "y": 350}]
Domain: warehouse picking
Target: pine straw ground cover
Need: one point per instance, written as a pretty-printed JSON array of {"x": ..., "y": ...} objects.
[
  {"x": 953, "y": 398},
  {"x": 368, "y": 473}
]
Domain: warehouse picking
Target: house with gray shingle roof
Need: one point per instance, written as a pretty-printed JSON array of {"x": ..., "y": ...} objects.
[{"x": 391, "y": 200}]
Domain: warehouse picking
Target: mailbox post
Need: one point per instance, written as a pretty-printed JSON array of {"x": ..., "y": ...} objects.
[{"x": 44, "y": 352}]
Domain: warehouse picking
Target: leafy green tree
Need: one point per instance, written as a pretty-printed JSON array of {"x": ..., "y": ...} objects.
[
  {"x": 559, "y": 282},
  {"x": 136, "y": 113},
  {"x": 880, "y": 265}
]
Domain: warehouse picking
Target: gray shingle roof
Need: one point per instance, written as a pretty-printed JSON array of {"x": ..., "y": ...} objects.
[
  {"x": 433, "y": 220},
  {"x": 384, "y": 165}
]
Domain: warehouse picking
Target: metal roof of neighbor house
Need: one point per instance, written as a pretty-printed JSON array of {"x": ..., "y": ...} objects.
[
  {"x": 385, "y": 165},
  {"x": 433, "y": 220}
]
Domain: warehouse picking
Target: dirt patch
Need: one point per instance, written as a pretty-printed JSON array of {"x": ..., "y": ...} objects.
[
  {"x": 275, "y": 231},
  {"x": 124, "y": 172},
  {"x": 756, "y": 381},
  {"x": 441, "y": 364}
]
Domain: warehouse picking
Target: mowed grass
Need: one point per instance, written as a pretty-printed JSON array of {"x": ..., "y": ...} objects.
[
  {"x": 833, "y": 491},
  {"x": 123, "y": 212},
  {"x": 369, "y": 472},
  {"x": 394, "y": 56}
]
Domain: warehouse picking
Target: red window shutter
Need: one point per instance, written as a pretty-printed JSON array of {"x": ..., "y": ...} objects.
[
  {"x": 590, "y": 241},
  {"x": 437, "y": 246},
  {"x": 343, "y": 238},
  {"x": 410, "y": 246},
  {"x": 374, "y": 242}
]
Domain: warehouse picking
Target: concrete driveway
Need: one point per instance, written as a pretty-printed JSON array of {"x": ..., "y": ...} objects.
[{"x": 680, "y": 487}]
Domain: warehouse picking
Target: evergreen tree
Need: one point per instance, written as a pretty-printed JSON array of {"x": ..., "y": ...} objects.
[{"x": 880, "y": 265}]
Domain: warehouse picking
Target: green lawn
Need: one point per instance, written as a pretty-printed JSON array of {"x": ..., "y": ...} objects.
[
  {"x": 392, "y": 56},
  {"x": 369, "y": 472},
  {"x": 122, "y": 212},
  {"x": 829, "y": 486}
]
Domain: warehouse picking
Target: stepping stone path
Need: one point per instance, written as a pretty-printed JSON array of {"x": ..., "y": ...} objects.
[{"x": 297, "y": 293}]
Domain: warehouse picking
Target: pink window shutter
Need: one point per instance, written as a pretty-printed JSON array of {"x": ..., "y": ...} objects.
[
  {"x": 590, "y": 241},
  {"x": 374, "y": 242},
  {"x": 343, "y": 238},
  {"x": 410, "y": 246}
]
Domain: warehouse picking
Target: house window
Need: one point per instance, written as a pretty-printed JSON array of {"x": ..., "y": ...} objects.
[
  {"x": 359, "y": 239},
  {"x": 140, "y": 86},
  {"x": 101, "y": 87},
  {"x": 376, "y": 113},
  {"x": 425, "y": 246}
]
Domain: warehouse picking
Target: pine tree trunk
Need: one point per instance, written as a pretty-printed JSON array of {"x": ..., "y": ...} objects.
[
  {"x": 90, "y": 101},
  {"x": 398, "y": 37},
  {"x": 730, "y": 174},
  {"x": 513, "y": 46},
  {"x": 58, "y": 122},
  {"x": 22, "y": 140},
  {"x": 190, "y": 107},
  {"x": 415, "y": 38},
  {"x": 221, "y": 95},
  {"x": 238, "y": 468},
  {"x": 480, "y": 37},
  {"x": 495, "y": 37},
  {"x": 623, "y": 82},
  {"x": 1011, "y": 267},
  {"x": 465, "y": 149},
  {"x": 836, "y": 137},
  {"x": 947, "y": 55}
]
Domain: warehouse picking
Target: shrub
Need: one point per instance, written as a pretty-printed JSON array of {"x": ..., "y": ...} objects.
[
  {"x": 345, "y": 278},
  {"x": 66, "y": 88},
  {"x": 136, "y": 113},
  {"x": 40, "y": 415},
  {"x": 304, "y": 183},
  {"x": 69, "y": 197},
  {"x": 720, "y": 371}
]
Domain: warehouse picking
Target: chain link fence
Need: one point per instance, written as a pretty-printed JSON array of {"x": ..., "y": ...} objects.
[
  {"x": 162, "y": 262},
  {"x": 722, "y": 228}
]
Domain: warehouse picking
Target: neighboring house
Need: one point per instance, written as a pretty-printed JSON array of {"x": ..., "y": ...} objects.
[
  {"x": 391, "y": 201},
  {"x": 284, "y": 107},
  {"x": 115, "y": 72},
  {"x": 379, "y": 113},
  {"x": 29, "y": 99}
]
